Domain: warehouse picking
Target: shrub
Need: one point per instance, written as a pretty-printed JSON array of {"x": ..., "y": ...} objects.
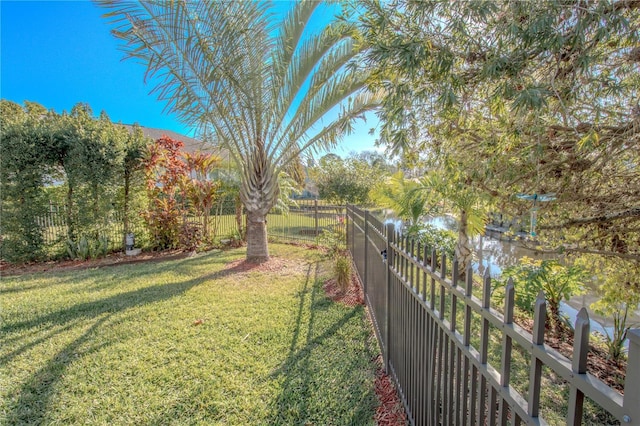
[
  {"x": 165, "y": 170},
  {"x": 342, "y": 271},
  {"x": 87, "y": 248},
  {"x": 335, "y": 238},
  {"x": 163, "y": 221},
  {"x": 620, "y": 293},
  {"x": 191, "y": 236},
  {"x": 440, "y": 239},
  {"x": 530, "y": 276}
]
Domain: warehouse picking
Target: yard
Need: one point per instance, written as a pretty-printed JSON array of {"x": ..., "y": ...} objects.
[{"x": 198, "y": 340}]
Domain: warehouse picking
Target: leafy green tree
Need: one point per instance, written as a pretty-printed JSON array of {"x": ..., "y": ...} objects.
[
  {"x": 99, "y": 151},
  {"x": 345, "y": 181},
  {"x": 528, "y": 97},
  {"x": 458, "y": 197},
  {"x": 23, "y": 170},
  {"x": 266, "y": 93},
  {"x": 90, "y": 154},
  {"x": 72, "y": 159},
  {"x": 376, "y": 160},
  {"x": 530, "y": 277},
  {"x": 405, "y": 198},
  {"x": 132, "y": 183}
]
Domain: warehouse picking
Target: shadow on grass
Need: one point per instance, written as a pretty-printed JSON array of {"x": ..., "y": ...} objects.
[
  {"x": 316, "y": 335},
  {"x": 116, "y": 303},
  {"x": 31, "y": 399},
  {"x": 115, "y": 270},
  {"x": 308, "y": 392},
  {"x": 30, "y": 405}
]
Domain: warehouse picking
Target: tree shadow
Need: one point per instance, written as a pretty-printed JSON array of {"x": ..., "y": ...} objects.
[
  {"x": 298, "y": 400},
  {"x": 34, "y": 394},
  {"x": 117, "y": 270},
  {"x": 46, "y": 327},
  {"x": 116, "y": 303},
  {"x": 30, "y": 406},
  {"x": 311, "y": 329}
]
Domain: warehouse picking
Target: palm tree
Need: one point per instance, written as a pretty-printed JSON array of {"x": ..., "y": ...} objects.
[
  {"x": 407, "y": 198},
  {"x": 266, "y": 92},
  {"x": 458, "y": 196}
]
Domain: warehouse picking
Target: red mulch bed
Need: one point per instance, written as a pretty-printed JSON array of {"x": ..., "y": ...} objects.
[
  {"x": 390, "y": 411},
  {"x": 353, "y": 296},
  {"x": 598, "y": 363},
  {"x": 118, "y": 258},
  {"x": 274, "y": 264}
]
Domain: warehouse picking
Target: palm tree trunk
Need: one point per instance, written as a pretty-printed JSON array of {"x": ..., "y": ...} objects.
[
  {"x": 463, "y": 247},
  {"x": 258, "y": 194},
  {"x": 257, "y": 248}
]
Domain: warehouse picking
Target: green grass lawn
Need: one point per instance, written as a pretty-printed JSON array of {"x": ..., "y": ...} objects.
[{"x": 121, "y": 345}]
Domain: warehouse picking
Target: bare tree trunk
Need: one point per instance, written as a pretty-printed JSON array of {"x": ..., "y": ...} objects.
[
  {"x": 257, "y": 247},
  {"x": 463, "y": 247}
]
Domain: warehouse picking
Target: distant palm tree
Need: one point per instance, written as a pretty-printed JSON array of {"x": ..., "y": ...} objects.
[
  {"x": 265, "y": 92},
  {"x": 407, "y": 198},
  {"x": 466, "y": 202}
]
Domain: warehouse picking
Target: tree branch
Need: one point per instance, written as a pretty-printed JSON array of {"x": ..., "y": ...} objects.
[{"x": 632, "y": 212}]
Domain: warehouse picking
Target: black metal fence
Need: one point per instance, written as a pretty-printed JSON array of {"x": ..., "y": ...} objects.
[
  {"x": 456, "y": 360},
  {"x": 303, "y": 221}
]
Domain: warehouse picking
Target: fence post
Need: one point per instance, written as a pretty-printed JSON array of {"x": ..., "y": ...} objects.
[
  {"x": 390, "y": 230},
  {"x": 315, "y": 215},
  {"x": 631, "y": 404},
  {"x": 579, "y": 365},
  {"x": 535, "y": 373},
  {"x": 366, "y": 251},
  {"x": 353, "y": 231},
  {"x": 347, "y": 216}
]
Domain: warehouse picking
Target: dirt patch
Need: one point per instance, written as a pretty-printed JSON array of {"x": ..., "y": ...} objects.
[{"x": 274, "y": 264}]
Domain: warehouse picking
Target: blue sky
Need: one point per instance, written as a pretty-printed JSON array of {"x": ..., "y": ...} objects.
[{"x": 59, "y": 53}]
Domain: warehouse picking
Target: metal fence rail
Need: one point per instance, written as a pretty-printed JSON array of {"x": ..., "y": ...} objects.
[
  {"x": 55, "y": 231},
  {"x": 451, "y": 354},
  {"x": 304, "y": 221}
]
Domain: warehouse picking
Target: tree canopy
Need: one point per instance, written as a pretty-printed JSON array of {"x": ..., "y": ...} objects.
[
  {"x": 86, "y": 164},
  {"x": 512, "y": 97},
  {"x": 347, "y": 181}
]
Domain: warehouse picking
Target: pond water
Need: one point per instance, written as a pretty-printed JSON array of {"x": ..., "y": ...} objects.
[{"x": 495, "y": 252}]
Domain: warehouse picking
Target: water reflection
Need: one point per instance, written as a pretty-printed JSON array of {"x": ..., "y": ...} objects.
[
  {"x": 496, "y": 252},
  {"x": 491, "y": 251}
]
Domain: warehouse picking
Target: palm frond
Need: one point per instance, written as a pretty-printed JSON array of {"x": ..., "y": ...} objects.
[{"x": 265, "y": 95}]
